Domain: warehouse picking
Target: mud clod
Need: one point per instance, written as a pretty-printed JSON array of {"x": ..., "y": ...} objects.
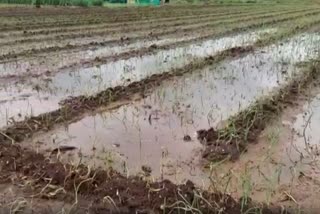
[
  {"x": 153, "y": 46},
  {"x": 207, "y": 136},
  {"x": 221, "y": 151},
  {"x": 147, "y": 170},
  {"x": 187, "y": 138}
]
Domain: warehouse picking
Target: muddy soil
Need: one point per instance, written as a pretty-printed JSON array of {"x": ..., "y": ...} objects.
[{"x": 103, "y": 191}]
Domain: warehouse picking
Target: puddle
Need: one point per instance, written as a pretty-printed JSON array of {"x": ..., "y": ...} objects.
[
  {"x": 310, "y": 119},
  {"x": 151, "y": 131},
  {"x": 90, "y": 81},
  {"x": 18, "y": 102}
]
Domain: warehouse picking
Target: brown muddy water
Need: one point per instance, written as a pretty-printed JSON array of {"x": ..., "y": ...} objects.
[
  {"x": 150, "y": 132},
  {"x": 43, "y": 94}
]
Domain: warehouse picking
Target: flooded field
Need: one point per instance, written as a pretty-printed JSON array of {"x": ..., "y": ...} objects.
[
  {"x": 43, "y": 94},
  {"x": 158, "y": 123},
  {"x": 209, "y": 109}
]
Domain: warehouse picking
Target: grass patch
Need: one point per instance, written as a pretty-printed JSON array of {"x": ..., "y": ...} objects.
[{"x": 97, "y": 2}]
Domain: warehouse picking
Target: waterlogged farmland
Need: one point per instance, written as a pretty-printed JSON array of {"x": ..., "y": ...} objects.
[{"x": 174, "y": 109}]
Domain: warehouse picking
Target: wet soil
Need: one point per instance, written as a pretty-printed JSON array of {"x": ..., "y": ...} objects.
[
  {"x": 283, "y": 166},
  {"x": 106, "y": 191}
]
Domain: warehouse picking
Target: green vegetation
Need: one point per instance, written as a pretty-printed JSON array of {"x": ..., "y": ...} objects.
[
  {"x": 16, "y": 1},
  {"x": 81, "y": 3},
  {"x": 97, "y": 2}
]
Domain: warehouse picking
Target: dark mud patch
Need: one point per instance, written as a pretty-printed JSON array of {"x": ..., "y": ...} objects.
[
  {"x": 108, "y": 191},
  {"x": 244, "y": 128}
]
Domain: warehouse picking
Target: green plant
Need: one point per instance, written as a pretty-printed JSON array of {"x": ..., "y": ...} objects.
[
  {"x": 81, "y": 3},
  {"x": 97, "y": 2},
  {"x": 37, "y": 3}
]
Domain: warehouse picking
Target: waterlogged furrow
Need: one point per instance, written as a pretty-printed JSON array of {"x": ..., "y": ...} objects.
[
  {"x": 95, "y": 99},
  {"x": 75, "y": 60},
  {"x": 92, "y": 80},
  {"x": 67, "y": 61},
  {"x": 99, "y": 41},
  {"x": 52, "y": 63},
  {"x": 158, "y": 123}
]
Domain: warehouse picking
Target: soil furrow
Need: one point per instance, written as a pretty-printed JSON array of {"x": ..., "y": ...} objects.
[
  {"x": 159, "y": 25},
  {"x": 265, "y": 21},
  {"x": 85, "y": 20},
  {"x": 127, "y": 27},
  {"x": 33, "y": 32}
]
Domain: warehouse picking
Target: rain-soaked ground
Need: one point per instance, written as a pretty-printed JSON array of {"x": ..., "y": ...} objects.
[
  {"x": 284, "y": 167},
  {"x": 150, "y": 132},
  {"x": 43, "y": 94},
  {"x": 54, "y": 62}
]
